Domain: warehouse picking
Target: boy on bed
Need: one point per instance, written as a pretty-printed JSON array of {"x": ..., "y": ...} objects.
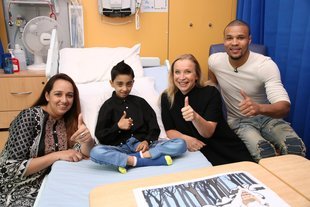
[{"x": 127, "y": 128}]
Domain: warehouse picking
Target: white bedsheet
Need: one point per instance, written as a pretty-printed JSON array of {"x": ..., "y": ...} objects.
[{"x": 69, "y": 183}]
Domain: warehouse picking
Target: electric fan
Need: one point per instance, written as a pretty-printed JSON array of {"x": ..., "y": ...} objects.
[{"x": 36, "y": 38}]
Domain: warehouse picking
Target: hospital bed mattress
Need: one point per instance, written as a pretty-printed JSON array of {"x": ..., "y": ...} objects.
[{"x": 69, "y": 183}]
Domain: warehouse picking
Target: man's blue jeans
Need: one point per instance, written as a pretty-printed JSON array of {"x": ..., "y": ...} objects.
[
  {"x": 263, "y": 136},
  {"x": 118, "y": 155}
]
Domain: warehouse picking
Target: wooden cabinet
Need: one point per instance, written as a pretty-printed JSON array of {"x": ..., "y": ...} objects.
[
  {"x": 3, "y": 137},
  {"x": 17, "y": 91},
  {"x": 195, "y": 25}
]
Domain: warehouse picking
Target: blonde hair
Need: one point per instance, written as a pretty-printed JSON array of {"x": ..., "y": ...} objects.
[{"x": 172, "y": 88}]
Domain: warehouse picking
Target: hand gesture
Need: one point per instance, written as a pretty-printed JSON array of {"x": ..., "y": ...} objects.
[
  {"x": 194, "y": 144},
  {"x": 125, "y": 123},
  {"x": 187, "y": 112},
  {"x": 69, "y": 155},
  {"x": 82, "y": 135},
  {"x": 143, "y": 146},
  {"x": 247, "y": 106}
]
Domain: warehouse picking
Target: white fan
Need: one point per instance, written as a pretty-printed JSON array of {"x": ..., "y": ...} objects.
[{"x": 36, "y": 38}]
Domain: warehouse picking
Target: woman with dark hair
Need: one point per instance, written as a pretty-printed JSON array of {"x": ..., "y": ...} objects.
[
  {"x": 52, "y": 129},
  {"x": 192, "y": 111}
]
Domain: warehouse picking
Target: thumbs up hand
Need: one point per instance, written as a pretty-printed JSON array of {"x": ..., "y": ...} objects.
[
  {"x": 247, "y": 106},
  {"x": 187, "y": 112},
  {"x": 186, "y": 101},
  {"x": 125, "y": 123},
  {"x": 82, "y": 135},
  {"x": 80, "y": 121}
]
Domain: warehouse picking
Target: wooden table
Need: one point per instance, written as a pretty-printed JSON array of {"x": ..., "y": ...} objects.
[
  {"x": 293, "y": 170},
  {"x": 121, "y": 194}
]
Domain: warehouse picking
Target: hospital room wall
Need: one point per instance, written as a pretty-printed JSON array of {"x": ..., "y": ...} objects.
[
  {"x": 189, "y": 27},
  {"x": 111, "y": 32},
  {"x": 194, "y": 26}
]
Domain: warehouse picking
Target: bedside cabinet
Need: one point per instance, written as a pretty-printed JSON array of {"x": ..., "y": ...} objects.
[{"x": 17, "y": 91}]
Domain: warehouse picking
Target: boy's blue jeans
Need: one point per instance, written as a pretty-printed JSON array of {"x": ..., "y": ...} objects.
[
  {"x": 118, "y": 155},
  {"x": 264, "y": 135}
]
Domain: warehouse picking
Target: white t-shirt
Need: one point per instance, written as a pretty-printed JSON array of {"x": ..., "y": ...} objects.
[{"x": 259, "y": 77}]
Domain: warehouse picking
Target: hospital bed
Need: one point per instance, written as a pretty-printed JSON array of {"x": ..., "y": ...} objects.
[{"x": 69, "y": 183}]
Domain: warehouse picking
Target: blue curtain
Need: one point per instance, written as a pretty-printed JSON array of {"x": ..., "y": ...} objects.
[
  {"x": 1, "y": 48},
  {"x": 284, "y": 27}
]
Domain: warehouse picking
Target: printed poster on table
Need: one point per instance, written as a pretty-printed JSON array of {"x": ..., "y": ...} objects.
[{"x": 230, "y": 189}]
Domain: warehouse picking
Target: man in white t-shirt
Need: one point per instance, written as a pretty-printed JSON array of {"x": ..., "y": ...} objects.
[{"x": 254, "y": 95}]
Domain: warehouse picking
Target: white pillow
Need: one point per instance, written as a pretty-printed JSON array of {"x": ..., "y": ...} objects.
[
  {"x": 93, "y": 95},
  {"x": 145, "y": 88},
  {"x": 85, "y": 65}
]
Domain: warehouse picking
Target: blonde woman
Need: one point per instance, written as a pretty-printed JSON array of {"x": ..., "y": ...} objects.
[{"x": 192, "y": 111}]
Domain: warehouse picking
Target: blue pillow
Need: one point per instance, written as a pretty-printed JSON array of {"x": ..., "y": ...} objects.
[{"x": 160, "y": 74}]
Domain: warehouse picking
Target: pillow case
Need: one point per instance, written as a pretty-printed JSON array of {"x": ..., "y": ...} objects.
[
  {"x": 160, "y": 74},
  {"x": 93, "y": 95},
  {"x": 145, "y": 88},
  {"x": 85, "y": 65}
]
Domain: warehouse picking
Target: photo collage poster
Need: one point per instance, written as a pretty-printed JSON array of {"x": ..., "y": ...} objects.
[{"x": 229, "y": 189}]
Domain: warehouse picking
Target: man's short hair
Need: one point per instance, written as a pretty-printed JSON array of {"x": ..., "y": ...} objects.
[{"x": 238, "y": 22}]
